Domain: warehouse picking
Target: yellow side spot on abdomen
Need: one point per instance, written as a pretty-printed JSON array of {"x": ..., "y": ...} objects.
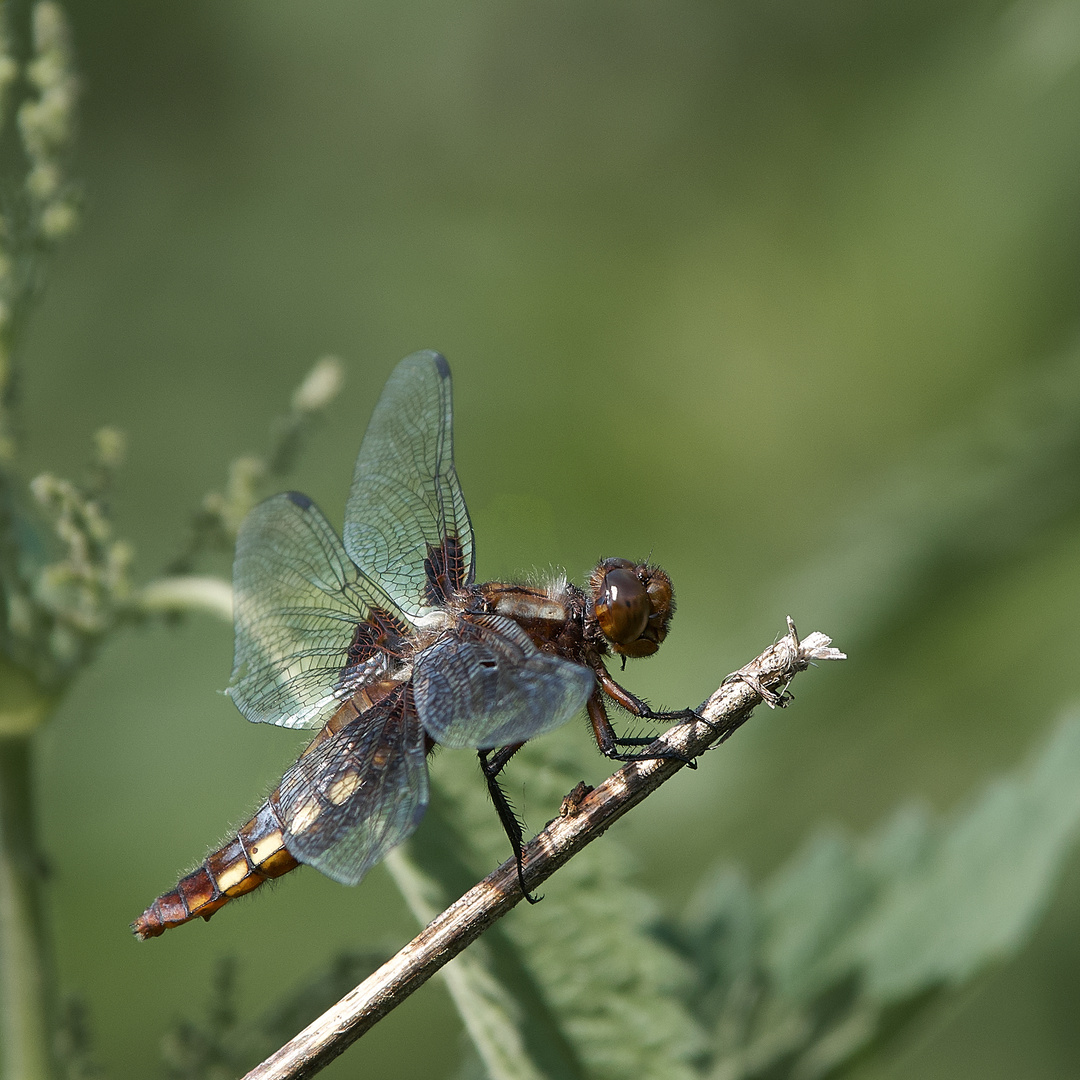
[
  {"x": 267, "y": 846},
  {"x": 231, "y": 875},
  {"x": 305, "y": 815},
  {"x": 343, "y": 787}
]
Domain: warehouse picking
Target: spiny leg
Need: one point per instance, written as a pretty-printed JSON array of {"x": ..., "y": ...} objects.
[
  {"x": 636, "y": 707},
  {"x": 491, "y": 767},
  {"x": 610, "y": 743}
]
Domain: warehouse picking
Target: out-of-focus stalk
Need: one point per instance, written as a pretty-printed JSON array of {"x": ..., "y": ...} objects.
[{"x": 27, "y": 987}]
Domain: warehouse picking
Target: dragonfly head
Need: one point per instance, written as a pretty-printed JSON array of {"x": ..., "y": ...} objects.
[{"x": 633, "y": 603}]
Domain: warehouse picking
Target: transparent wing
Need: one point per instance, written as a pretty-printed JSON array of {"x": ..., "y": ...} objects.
[
  {"x": 406, "y": 523},
  {"x": 310, "y": 628},
  {"x": 489, "y": 685},
  {"x": 363, "y": 791}
]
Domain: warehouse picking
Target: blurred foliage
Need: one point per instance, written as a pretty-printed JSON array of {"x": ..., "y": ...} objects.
[
  {"x": 784, "y": 294},
  {"x": 37, "y": 210},
  {"x": 220, "y": 1046},
  {"x": 851, "y": 937},
  {"x": 214, "y": 527},
  {"x": 969, "y": 498},
  {"x": 75, "y": 1044}
]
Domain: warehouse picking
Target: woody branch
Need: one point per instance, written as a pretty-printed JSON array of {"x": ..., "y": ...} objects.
[{"x": 585, "y": 814}]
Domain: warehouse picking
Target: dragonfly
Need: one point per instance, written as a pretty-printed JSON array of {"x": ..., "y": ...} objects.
[{"x": 384, "y": 643}]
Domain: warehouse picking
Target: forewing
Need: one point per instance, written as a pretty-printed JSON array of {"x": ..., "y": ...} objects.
[
  {"x": 352, "y": 798},
  {"x": 486, "y": 685},
  {"x": 300, "y": 607},
  {"x": 406, "y": 524}
]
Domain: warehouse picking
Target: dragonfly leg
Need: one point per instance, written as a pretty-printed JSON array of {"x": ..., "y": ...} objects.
[
  {"x": 492, "y": 762},
  {"x": 610, "y": 743},
  {"x": 634, "y": 705}
]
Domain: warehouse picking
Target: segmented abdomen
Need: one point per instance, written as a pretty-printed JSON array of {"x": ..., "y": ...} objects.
[{"x": 256, "y": 854}]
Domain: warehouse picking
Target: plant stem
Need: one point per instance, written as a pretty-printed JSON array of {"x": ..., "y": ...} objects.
[{"x": 26, "y": 974}]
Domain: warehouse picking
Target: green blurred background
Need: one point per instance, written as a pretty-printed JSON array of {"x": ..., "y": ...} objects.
[{"x": 767, "y": 290}]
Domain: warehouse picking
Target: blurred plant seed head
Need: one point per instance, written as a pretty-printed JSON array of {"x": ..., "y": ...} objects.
[{"x": 322, "y": 384}]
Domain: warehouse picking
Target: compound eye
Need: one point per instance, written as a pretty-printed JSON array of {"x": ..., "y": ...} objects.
[{"x": 622, "y": 606}]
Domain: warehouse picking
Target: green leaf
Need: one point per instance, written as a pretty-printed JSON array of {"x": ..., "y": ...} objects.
[
  {"x": 794, "y": 980},
  {"x": 982, "y": 882}
]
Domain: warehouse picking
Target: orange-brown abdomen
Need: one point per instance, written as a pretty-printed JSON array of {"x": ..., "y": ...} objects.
[{"x": 256, "y": 854}]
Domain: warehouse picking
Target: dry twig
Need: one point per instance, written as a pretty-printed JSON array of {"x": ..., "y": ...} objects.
[{"x": 585, "y": 815}]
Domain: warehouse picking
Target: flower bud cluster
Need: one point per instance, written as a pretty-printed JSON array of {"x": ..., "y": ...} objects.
[
  {"x": 38, "y": 206},
  {"x": 77, "y": 586}
]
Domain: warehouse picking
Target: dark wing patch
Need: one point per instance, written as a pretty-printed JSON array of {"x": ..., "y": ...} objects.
[
  {"x": 445, "y": 571},
  {"x": 406, "y": 523},
  {"x": 379, "y": 636},
  {"x": 310, "y": 628},
  {"x": 486, "y": 685},
  {"x": 363, "y": 791}
]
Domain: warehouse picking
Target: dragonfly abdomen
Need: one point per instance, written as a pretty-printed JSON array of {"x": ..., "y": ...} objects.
[{"x": 256, "y": 854}]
